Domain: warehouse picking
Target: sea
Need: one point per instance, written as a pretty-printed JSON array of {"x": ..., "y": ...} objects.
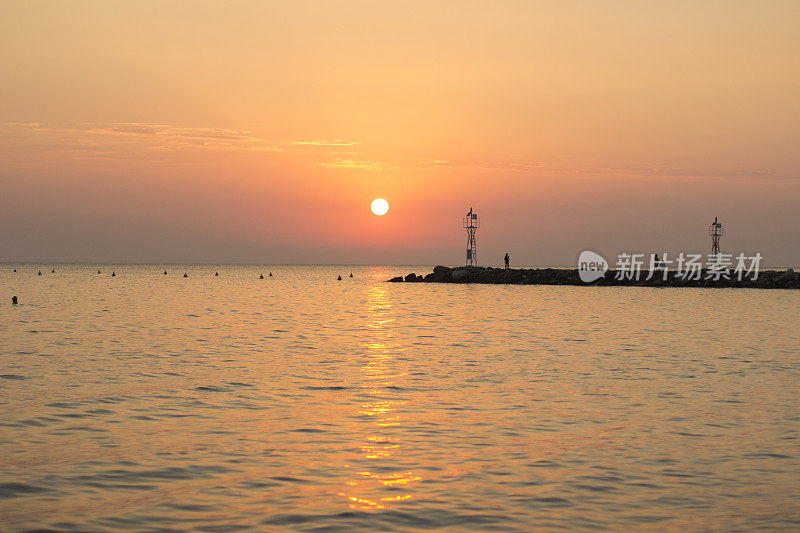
[{"x": 137, "y": 400}]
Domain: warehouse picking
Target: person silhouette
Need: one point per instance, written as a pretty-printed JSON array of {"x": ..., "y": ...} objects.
[{"x": 507, "y": 259}]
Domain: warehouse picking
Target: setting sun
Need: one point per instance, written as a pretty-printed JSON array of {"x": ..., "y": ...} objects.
[{"x": 379, "y": 206}]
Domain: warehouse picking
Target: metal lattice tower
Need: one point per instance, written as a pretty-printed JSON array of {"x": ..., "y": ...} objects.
[
  {"x": 471, "y": 224},
  {"x": 715, "y": 232}
]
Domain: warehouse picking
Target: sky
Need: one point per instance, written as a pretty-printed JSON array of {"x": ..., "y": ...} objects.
[{"x": 249, "y": 131}]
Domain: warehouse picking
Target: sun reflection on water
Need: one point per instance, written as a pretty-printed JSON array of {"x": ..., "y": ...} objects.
[{"x": 377, "y": 408}]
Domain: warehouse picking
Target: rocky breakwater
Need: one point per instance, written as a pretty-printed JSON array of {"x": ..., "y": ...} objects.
[{"x": 767, "y": 279}]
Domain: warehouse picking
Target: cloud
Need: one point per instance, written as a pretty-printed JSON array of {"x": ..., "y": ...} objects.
[
  {"x": 162, "y": 137},
  {"x": 21, "y": 124},
  {"x": 358, "y": 164},
  {"x": 594, "y": 168},
  {"x": 352, "y": 164},
  {"x": 337, "y": 142},
  {"x": 164, "y": 134}
]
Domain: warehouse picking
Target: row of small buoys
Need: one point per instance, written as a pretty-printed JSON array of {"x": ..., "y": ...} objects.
[{"x": 185, "y": 274}]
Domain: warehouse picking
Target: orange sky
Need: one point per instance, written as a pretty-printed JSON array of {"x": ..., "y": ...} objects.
[{"x": 261, "y": 131}]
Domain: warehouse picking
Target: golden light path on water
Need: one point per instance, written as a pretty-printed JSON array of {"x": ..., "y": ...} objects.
[{"x": 379, "y": 412}]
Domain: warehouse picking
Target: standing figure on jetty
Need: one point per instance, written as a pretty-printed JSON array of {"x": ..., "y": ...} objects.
[{"x": 507, "y": 260}]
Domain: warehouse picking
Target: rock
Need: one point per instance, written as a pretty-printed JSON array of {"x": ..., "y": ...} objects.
[
  {"x": 460, "y": 276},
  {"x": 411, "y": 277},
  {"x": 785, "y": 278},
  {"x": 484, "y": 276},
  {"x": 395, "y": 280},
  {"x": 442, "y": 274}
]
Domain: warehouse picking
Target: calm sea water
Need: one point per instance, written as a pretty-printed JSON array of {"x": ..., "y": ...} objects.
[{"x": 146, "y": 402}]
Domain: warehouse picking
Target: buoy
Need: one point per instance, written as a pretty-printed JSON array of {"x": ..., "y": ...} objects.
[
  {"x": 113, "y": 274},
  {"x": 270, "y": 274},
  {"x": 13, "y": 300},
  {"x": 98, "y": 271},
  {"x": 15, "y": 270},
  {"x": 351, "y": 274},
  {"x": 40, "y": 273},
  {"x": 185, "y": 275},
  {"x": 216, "y": 273},
  {"x": 165, "y": 272},
  {"x": 339, "y": 278},
  {"x": 53, "y": 271},
  {"x": 261, "y": 276}
]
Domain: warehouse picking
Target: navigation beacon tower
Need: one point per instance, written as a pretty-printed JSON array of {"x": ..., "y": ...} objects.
[
  {"x": 471, "y": 224},
  {"x": 715, "y": 232}
]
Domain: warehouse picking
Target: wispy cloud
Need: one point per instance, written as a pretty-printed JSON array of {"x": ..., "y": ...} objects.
[
  {"x": 20, "y": 124},
  {"x": 353, "y": 164},
  {"x": 211, "y": 138},
  {"x": 163, "y": 137},
  {"x": 595, "y": 168},
  {"x": 337, "y": 142},
  {"x": 360, "y": 164}
]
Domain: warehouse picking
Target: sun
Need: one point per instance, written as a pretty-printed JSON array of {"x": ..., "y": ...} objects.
[{"x": 379, "y": 206}]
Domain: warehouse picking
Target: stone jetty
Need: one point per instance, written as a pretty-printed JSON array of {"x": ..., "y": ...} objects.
[{"x": 766, "y": 279}]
